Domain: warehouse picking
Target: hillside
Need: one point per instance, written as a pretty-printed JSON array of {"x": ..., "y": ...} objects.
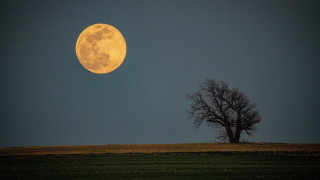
[{"x": 161, "y": 148}]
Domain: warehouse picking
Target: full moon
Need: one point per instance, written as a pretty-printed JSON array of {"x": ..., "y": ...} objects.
[{"x": 101, "y": 48}]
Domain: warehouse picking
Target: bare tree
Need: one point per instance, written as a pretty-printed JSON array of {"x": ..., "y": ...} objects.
[{"x": 228, "y": 110}]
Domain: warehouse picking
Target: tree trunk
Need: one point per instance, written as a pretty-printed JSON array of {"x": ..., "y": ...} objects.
[
  {"x": 237, "y": 139},
  {"x": 230, "y": 135},
  {"x": 237, "y": 135}
]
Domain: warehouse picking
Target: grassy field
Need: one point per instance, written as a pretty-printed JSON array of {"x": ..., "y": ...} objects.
[
  {"x": 160, "y": 148},
  {"x": 228, "y": 165},
  {"x": 300, "y": 162}
]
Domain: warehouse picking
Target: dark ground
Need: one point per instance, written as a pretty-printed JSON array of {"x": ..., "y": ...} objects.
[{"x": 222, "y": 165}]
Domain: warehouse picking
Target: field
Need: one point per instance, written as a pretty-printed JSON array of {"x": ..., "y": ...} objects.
[
  {"x": 242, "y": 162},
  {"x": 161, "y": 148}
]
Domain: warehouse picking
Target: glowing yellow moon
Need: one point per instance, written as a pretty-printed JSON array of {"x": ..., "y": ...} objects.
[{"x": 101, "y": 48}]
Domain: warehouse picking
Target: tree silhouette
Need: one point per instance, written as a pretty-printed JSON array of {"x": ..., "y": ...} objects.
[{"x": 228, "y": 110}]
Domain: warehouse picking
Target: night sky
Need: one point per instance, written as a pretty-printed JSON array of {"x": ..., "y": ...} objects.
[{"x": 268, "y": 49}]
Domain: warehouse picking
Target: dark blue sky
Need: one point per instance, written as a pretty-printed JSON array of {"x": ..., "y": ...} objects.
[{"x": 268, "y": 49}]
